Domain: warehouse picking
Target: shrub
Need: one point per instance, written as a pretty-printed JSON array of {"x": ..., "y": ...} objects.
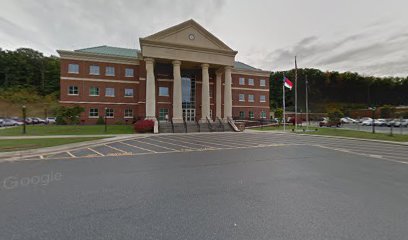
[
  {"x": 335, "y": 114},
  {"x": 60, "y": 121},
  {"x": 144, "y": 126},
  {"x": 387, "y": 111},
  {"x": 100, "y": 121}
]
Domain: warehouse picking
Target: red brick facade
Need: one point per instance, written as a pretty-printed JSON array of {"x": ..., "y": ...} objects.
[{"x": 83, "y": 81}]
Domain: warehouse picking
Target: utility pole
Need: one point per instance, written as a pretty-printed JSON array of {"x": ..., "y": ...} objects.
[
  {"x": 24, "y": 119},
  {"x": 106, "y": 126},
  {"x": 296, "y": 108}
]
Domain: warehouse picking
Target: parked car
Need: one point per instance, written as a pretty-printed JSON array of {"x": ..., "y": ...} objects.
[
  {"x": 292, "y": 120},
  {"x": 364, "y": 119},
  {"x": 367, "y": 123},
  {"x": 329, "y": 123},
  {"x": 11, "y": 122},
  {"x": 348, "y": 120},
  {"x": 50, "y": 120},
  {"x": 380, "y": 122},
  {"x": 404, "y": 123},
  {"x": 38, "y": 120},
  {"x": 1, "y": 122}
]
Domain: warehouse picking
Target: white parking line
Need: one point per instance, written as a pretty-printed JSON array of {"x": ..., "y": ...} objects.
[
  {"x": 117, "y": 149},
  {"x": 131, "y": 145},
  {"x": 171, "y": 149},
  {"x": 184, "y": 146},
  {"x": 184, "y": 142},
  {"x": 70, "y": 154},
  {"x": 96, "y": 152}
]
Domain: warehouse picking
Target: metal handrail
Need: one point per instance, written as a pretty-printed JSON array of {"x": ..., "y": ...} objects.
[
  {"x": 198, "y": 125},
  {"x": 172, "y": 125},
  {"x": 221, "y": 123},
  {"x": 185, "y": 125},
  {"x": 209, "y": 124}
]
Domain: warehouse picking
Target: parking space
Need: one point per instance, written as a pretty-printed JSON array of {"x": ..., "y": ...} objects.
[{"x": 218, "y": 141}]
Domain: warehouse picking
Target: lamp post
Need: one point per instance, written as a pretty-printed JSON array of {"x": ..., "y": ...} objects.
[
  {"x": 106, "y": 125},
  {"x": 373, "y": 116},
  {"x": 24, "y": 119}
]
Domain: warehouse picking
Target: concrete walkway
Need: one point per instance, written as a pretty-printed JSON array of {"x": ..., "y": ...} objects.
[{"x": 67, "y": 136}]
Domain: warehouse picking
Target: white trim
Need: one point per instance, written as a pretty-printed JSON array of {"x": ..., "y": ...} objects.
[
  {"x": 93, "y": 116},
  {"x": 98, "y": 80},
  {"x": 128, "y": 117},
  {"x": 94, "y": 57},
  {"x": 164, "y": 80},
  {"x": 73, "y": 94},
  {"x": 200, "y": 82},
  {"x": 163, "y": 102},
  {"x": 254, "y": 73},
  {"x": 250, "y": 89},
  {"x": 251, "y": 106},
  {"x": 114, "y": 103},
  {"x": 142, "y": 79}
]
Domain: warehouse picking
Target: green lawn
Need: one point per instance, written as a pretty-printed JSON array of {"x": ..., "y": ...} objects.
[
  {"x": 344, "y": 133},
  {"x": 45, "y": 130},
  {"x": 7, "y": 145}
]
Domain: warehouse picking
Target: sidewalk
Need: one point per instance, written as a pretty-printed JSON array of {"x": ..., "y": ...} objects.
[{"x": 67, "y": 136}]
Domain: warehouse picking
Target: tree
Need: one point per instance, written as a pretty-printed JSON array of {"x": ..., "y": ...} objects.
[
  {"x": 335, "y": 114},
  {"x": 387, "y": 111},
  {"x": 279, "y": 114},
  {"x": 69, "y": 115}
]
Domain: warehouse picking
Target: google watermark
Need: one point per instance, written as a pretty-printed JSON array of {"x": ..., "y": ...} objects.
[{"x": 12, "y": 182}]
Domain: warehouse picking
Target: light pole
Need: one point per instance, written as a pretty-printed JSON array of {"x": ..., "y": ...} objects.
[
  {"x": 24, "y": 119},
  {"x": 106, "y": 125},
  {"x": 373, "y": 116}
]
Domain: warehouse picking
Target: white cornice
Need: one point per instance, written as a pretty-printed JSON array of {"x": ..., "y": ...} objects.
[
  {"x": 250, "y": 106},
  {"x": 258, "y": 73},
  {"x": 113, "y": 103},
  {"x": 251, "y": 89}
]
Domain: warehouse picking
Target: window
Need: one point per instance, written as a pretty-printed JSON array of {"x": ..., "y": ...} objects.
[
  {"x": 73, "y": 68},
  {"x": 129, "y": 72},
  {"x": 251, "y": 81},
  {"x": 94, "y": 91},
  {"x": 73, "y": 90},
  {"x": 250, "y": 98},
  {"x": 93, "y": 113},
  {"x": 242, "y": 97},
  {"x": 164, "y": 91},
  {"x": 109, "y": 113},
  {"x": 110, "y": 71},
  {"x": 241, "y": 81},
  {"x": 262, "y": 98},
  {"x": 241, "y": 115},
  {"x": 163, "y": 114},
  {"x": 251, "y": 115},
  {"x": 128, "y": 113},
  {"x": 262, "y": 83},
  {"x": 263, "y": 114},
  {"x": 109, "y": 92},
  {"x": 128, "y": 92},
  {"x": 94, "y": 70}
]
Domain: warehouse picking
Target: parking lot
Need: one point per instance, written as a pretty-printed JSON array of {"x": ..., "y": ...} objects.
[{"x": 161, "y": 144}]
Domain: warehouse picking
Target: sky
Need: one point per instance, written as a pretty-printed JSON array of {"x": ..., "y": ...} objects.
[{"x": 365, "y": 36}]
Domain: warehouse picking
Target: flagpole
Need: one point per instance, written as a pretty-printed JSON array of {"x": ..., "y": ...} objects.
[
  {"x": 284, "y": 107},
  {"x": 307, "y": 105},
  {"x": 295, "y": 95}
]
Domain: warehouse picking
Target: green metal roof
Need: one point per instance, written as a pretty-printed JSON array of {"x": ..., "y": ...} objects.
[
  {"x": 243, "y": 66},
  {"x": 111, "y": 51}
]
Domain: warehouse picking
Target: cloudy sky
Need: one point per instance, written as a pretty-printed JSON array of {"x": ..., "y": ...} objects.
[{"x": 366, "y": 36}]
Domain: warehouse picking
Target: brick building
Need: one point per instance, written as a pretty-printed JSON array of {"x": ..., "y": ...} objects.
[{"x": 183, "y": 72}]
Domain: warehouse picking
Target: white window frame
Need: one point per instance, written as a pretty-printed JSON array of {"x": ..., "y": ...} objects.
[
  {"x": 94, "y": 95},
  {"x": 168, "y": 93},
  {"x": 109, "y": 74},
  {"x": 73, "y": 87},
  {"x": 243, "y": 115},
  {"x": 77, "y": 68},
  {"x": 263, "y": 114},
  {"x": 129, "y": 75},
  {"x": 106, "y": 92},
  {"x": 125, "y": 115},
  {"x": 111, "y": 111},
  {"x": 90, "y": 111},
  {"x": 262, "y": 83},
  {"x": 251, "y": 82},
  {"x": 260, "y": 98},
  {"x": 251, "y": 98},
  {"x": 241, "y": 81},
  {"x": 133, "y": 92},
  {"x": 243, "y": 97},
  {"x": 94, "y": 67},
  {"x": 251, "y": 113}
]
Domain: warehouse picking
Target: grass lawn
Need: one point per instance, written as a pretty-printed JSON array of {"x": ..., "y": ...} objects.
[
  {"x": 344, "y": 133},
  {"x": 45, "y": 130},
  {"x": 7, "y": 145}
]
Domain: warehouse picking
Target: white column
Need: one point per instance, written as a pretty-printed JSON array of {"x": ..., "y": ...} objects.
[
  {"x": 218, "y": 111},
  {"x": 177, "y": 98},
  {"x": 205, "y": 93},
  {"x": 227, "y": 94},
  {"x": 150, "y": 89}
]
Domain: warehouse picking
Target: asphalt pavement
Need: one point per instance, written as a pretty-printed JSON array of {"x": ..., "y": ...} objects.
[{"x": 210, "y": 186}]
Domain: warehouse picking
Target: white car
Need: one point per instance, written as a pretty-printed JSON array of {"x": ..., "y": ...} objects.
[
  {"x": 365, "y": 119},
  {"x": 367, "y": 123},
  {"x": 50, "y": 120},
  {"x": 348, "y": 120}
]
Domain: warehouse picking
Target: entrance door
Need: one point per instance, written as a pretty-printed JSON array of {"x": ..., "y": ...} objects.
[{"x": 188, "y": 98}]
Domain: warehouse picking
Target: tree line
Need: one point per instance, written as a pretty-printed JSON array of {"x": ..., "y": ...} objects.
[{"x": 346, "y": 90}]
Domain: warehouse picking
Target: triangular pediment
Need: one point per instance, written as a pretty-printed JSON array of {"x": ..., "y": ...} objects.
[{"x": 188, "y": 33}]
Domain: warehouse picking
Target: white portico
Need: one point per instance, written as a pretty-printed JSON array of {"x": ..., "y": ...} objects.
[{"x": 189, "y": 44}]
